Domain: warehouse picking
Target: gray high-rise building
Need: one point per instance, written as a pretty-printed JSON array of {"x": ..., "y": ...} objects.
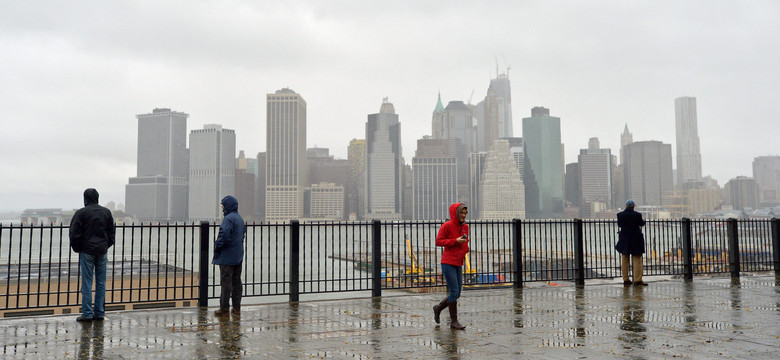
[
  {"x": 543, "y": 168},
  {"x": 687, "y": 134},
  {"x": 595, "y": 169},
  {"x": 766, "y": 171},
  {"x": 496, "y": 121},
  {"x": 356, "y": 179},
  {"x": 742, "y": 192},
  {"x": 502, "y": 194},
  {"x": 212, "y": 171},
  {"x": 456, "y": 124},
  {"x": 647, "y": 172},
  {"x": 286, "y": 168},
  {"x": 435, "y": 184},
  {"x": 476, "y": 167},
  {"x": 158, "y": 192},
  {"x": 384, "y": 165}
]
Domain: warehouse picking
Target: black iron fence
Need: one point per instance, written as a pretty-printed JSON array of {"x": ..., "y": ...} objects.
[{"x": 154, "y": 263}]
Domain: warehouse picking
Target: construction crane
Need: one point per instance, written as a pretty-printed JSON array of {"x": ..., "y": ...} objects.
[
  {"x": 469, "y": 274},
  {"x": 414, "y": 271}
]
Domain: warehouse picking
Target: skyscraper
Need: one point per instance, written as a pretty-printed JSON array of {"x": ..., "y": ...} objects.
[
  {"x": 497, "y": 117},
  {"x": 212, "y": 171},
  {"x": 456, "y": 124},
  {"x": 687, "y": 134},
  {"x": 647, "y": 172},
  {"x": 286, "y": 169},
  {"x": 159, "y": 190},
  {"x": 502, "y": 192},
  {"x": 742, "y": 192},
  {"x": 356, "y": 182},
  {"x": 544, "y": 165},
  {"x": 435, "y": 184},
  {"x": 766, "y": 171},
  {"x": 384, "y": 165},
  {"x": 595, "y": 169}
]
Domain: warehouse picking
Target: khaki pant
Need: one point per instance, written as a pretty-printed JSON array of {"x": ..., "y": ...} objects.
[{"x": 637, "y": 267}]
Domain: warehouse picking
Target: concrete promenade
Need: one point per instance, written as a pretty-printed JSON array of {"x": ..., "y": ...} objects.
[{"x": 709, "y": 318}]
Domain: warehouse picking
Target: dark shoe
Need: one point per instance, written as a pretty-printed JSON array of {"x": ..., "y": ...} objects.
[
  {"x": 640, "y": 283},
  {"x": 222, "y": 312},
  {"x": 83, "y": 319},
  {"x": 99, "y": 318},
  {"x": 438, "y": 308},
  {"x": 627, "y": 283},
  {"x": 235, "y": 311},
  {"x": 453, "y": 305}
]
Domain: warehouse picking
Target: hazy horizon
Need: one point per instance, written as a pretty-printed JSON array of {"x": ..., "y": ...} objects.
[{"x": 76, "y": 74}]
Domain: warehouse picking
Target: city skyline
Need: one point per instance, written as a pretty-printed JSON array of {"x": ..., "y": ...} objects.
[{"x": 76, "y": 74}]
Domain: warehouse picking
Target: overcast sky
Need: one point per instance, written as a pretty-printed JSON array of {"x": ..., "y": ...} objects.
[{"x": 74, "y": 74}]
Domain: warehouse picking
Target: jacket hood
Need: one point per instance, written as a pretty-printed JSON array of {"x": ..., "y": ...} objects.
[
  {"x": 455, "y": 210},
  {"x": 90, "y": 196},
  {"x": 230, "y": 203}
]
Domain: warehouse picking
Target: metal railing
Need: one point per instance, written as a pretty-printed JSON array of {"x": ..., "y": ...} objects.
[{"x": 153, "y": 263}]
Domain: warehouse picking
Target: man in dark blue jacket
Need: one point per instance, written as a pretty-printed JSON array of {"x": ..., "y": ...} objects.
[
  {"x": 229, "y": 255},
  {"x": 631, "y": 243},
  {"x": 92, "y": 232}
]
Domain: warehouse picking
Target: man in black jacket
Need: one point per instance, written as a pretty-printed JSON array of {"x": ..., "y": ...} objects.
[
  {"x": 92, "y": 232},
  {"x": 631, "y": 243}
]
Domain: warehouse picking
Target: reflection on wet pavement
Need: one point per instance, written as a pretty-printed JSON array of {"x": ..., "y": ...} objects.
[{"x": 672, "y": 318}]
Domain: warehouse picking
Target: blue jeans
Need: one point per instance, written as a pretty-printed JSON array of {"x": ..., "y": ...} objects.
[
  {"x": 88, "y": 264},
  {"x": 454, "y": 278}
]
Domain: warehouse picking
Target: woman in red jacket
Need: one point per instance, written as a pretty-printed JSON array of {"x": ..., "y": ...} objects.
[{"x": 454, "y": 237}]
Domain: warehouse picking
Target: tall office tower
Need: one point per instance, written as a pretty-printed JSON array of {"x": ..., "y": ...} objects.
[
  {"x": 326, "y": 201},
  {"x": 212, "y": 171},
  {"x": 572, "y": 184},
  {"x": 503, "y": 193},
  {"x": 435, "y": 184},
  {"x": 687, "y": 134},
  {"x": 286, "y": 169},
  {"x": 407, "y": 191},
  {"x": 436, "y": 118},
  {"x": 356, "y": 182},
  {"x": 766, "y": 171},
  {"x": 384, "y": 165},
  {"x": 260, "y": 187},
  {"x": 647, "y": 172},
  {"x": 625, "y": 139},
  {"x": 497, "y": 111},
  {"x": 457, "y": 124},
  {"x": 246, "y": 186},
  {"x": 595, "y": 168},
  {"x": 159, "y": 190},
  {"x": 742, "y": 192},
  {"x": 476, "y": 167},
  {"x": 543, "y": 165}
]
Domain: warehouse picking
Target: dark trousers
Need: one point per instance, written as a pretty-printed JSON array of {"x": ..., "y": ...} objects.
[{"x": 230, "y": 281}]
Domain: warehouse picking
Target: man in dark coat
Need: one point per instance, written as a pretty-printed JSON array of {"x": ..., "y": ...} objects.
[
  {"x": 631, "y": 243},
  {"x": 229, "y": 255},
  {"x": 92, "y": 232}
]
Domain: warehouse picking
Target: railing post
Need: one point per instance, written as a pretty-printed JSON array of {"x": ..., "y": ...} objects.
[
  {"x": 518, "y": 252},
  {"x": 775, "y": 223},
  {"x": 203, "y": 275},
  {"x": 295, "y": 249},
  {"x": 687, "y": 249},
  {"x": 579, "y": 253},
  {"x": 376, "y": 258},
  {"x": 733, "y": 239}
]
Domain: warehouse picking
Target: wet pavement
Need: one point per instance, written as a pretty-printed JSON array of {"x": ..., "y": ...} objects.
[{"x": 709, "y": 318}]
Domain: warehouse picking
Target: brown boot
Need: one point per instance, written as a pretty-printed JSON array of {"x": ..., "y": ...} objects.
[
  {"x": 453, "y": 305},
  {"x": 222, "y": 312},
  {"x": 438, "y": 308}
]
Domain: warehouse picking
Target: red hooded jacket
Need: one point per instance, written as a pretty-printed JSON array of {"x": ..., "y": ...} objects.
[{"x": 448, "y": 235}]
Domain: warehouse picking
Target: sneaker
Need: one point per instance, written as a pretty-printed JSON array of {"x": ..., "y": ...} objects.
[
  {"x": 627, "y": 283},
  {"x": 83, "y": 319},
  {"x": 222, "y": 312},
  {"x": 640, "y": 283},
  {"x": 235, "y": 311}
]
